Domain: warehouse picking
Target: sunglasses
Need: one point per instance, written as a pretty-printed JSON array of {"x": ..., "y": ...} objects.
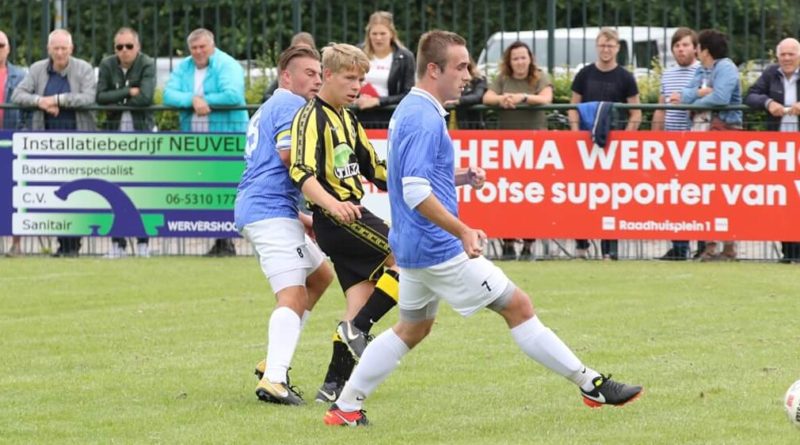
[{"x": 128, "y": 46}]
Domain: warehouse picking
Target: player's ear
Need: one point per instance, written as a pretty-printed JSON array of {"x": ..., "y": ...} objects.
[
  {"x": 326, "y": 74},
  {"x": 433, "y": 70}
]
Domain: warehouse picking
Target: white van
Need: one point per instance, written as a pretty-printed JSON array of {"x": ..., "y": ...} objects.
[{"x": 575, "y": 47}]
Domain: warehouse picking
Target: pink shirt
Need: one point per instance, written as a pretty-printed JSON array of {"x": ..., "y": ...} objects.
[{"x": 3, "y": 79}]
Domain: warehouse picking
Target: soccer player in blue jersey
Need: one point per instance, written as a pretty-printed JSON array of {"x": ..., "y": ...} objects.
[
  {"x": 266, "y": 214},
  {"x": 439, "y": 255}
]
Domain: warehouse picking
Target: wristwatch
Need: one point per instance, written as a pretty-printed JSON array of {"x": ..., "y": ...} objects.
[{"x": 524, "y": 98}]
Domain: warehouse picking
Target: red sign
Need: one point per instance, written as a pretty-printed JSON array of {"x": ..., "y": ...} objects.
[{"x": 642, "y": 185}]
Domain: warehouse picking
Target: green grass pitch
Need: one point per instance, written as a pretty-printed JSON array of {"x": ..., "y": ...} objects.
[{"x": 162, "y": 351}]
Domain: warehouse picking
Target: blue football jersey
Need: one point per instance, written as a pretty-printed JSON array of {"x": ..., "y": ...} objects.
[
  {"x": 420, "y": 147},
  {"x": 266, "y": 191}
]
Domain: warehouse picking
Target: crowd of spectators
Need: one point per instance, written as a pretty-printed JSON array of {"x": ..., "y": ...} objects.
[{"x": 55, "y": 89}]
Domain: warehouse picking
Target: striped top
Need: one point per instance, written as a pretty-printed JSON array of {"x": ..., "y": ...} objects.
[
  {"x": 676, "y": 79},
  {"x": 332, "y": 146}
]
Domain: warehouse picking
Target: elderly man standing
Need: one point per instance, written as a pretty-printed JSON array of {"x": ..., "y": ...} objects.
[
  {"x": 58, "y": 86},
  {"x": 10, "y": 76},
  {"x": 208, "y": 78},
  {"x": 778, "y": 92},
  {"x": 127, "y": 78}
]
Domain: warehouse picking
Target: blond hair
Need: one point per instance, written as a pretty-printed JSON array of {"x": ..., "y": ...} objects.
[
  {"x": 608, "y": 33},
  {"x": 380, "y": 18},
  {"x": 339, "y": 57}
]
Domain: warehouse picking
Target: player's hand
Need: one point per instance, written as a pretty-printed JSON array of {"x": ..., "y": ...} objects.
[
  {"x": 473, "y": 241},
  {"x": 346, "y": 211},
  {"x": 476, "y": 177},
  {"x": 366, "y": 102}
]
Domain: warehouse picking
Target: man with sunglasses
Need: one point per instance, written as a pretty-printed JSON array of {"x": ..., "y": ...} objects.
[{"x": 127, "y": 78}]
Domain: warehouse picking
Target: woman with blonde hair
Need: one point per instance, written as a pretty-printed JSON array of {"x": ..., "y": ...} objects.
[{"x": 391, "y": 70}]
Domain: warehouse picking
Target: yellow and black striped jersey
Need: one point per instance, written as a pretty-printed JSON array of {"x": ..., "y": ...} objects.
[{"x": 334, "y": 148}]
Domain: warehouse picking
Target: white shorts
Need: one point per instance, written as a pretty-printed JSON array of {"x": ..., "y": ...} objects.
[
  {"x": 286, "y": 254},
  {"x": 468, "y": 285}
]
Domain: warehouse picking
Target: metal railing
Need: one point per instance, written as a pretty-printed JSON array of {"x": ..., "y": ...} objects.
[{"x": 259, "y": 29}]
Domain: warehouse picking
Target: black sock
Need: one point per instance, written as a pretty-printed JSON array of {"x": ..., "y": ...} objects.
[
  {"x": 341, "y": 365},
  {"x": 382, "y": 300}
]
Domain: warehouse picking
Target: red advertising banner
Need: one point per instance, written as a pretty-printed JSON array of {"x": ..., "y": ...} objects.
[{"x": 642, "y": 185}]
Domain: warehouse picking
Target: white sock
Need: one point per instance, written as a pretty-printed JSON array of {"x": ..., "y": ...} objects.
[
  {"x": 544, "y": 346},
  {"x": 284, "y": 331},
  {"x": 378, "y": 361}
]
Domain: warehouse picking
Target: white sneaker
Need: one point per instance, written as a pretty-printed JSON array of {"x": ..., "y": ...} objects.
[
  {"x": 143, "y": 250},
  {"x": 115, "y": 252}
]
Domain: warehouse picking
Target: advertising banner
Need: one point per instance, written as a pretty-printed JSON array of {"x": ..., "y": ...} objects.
[
  {"x": 120, "y": 184},
  {"x": 540, "y": 184}
]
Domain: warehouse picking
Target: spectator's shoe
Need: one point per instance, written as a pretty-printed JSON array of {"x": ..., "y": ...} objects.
[
  {"x": 675, "y": 255},
  {"x": 508, "y": 252},
  {"x": 14, "y": 251},
  {"x": 709, "y": 253},
  {"x": 609, "y": 392},
  {"x": 280, "y": 393},
  {"x": 221, "y": 248},
  {"x": 115, "y": 252},
  {"x": 728, "y": 253},
  {"x": 65, "y": 254},
  {"x": 355, "y": 339},
  {"x": 329, "y": 392},
  {"x": 335, "y": 417},
  {"x": 143, "y": 250}
]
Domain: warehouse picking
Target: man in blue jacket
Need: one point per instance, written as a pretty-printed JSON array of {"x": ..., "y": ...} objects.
[{"x": 209, "y": 78}]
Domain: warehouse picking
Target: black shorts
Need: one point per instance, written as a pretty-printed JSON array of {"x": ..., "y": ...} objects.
[{"x": 358, "y": 250}]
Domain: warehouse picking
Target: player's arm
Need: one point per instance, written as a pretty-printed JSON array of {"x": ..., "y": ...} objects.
[
  {"x": 369, "y": 165},
  {"x": 303, "y": 166},
  {"x": 472, "y": 239},
  {"x": 474, "y": 176},
  {"x": 283, "y": 143}
]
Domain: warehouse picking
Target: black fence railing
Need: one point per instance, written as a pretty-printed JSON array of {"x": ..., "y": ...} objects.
[{"x": 255, "y": 31}]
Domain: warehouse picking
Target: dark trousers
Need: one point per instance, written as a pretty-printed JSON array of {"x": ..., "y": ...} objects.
[
  {"x": 607, "y": 246},
  {"x": 69, "y": 244},
  {"x": 790, "y": 250}
]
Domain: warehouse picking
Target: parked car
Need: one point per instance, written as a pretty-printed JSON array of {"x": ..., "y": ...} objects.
[{"x": 575, "y": 47}]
